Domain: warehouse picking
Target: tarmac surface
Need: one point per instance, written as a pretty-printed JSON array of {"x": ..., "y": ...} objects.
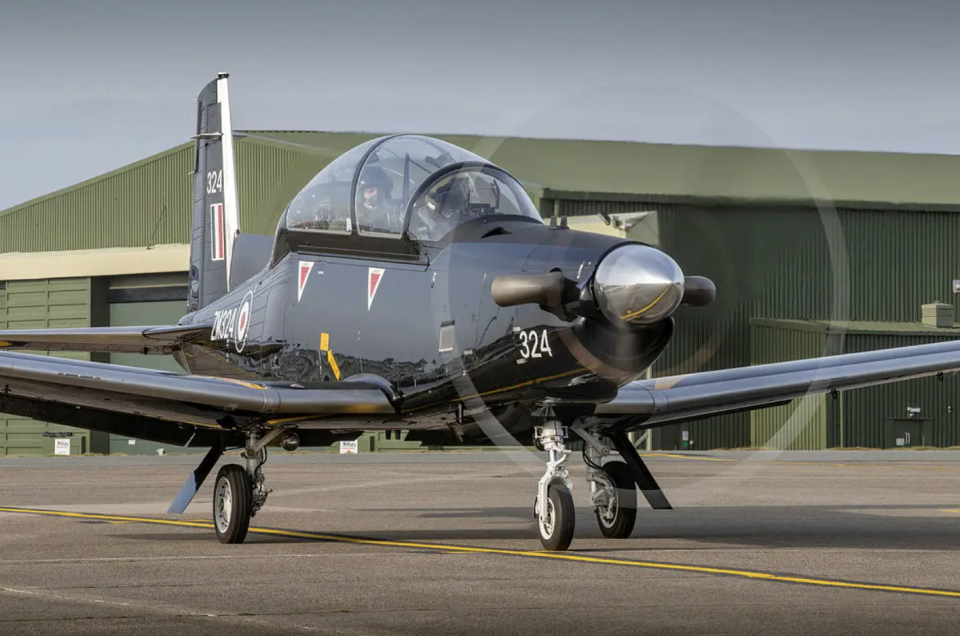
[{"x": 445, "y": 543}]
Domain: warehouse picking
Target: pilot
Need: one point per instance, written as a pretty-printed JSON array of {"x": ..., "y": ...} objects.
[
  {"x": 444, "y": 209},
  {"x": 375, "y": 210}
]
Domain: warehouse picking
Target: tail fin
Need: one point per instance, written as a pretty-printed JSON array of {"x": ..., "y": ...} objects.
[{"x": 216, "y": 217}]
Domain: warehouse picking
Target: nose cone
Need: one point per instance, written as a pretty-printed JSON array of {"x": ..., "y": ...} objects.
[{"x": 638, "y": 284}]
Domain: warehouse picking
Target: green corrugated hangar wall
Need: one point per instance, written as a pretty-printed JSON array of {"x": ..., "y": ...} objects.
[
  {"x": 915, "y": 412},
  {"x": 793, "y": 262},
  {"x": 39, "y": 305}
]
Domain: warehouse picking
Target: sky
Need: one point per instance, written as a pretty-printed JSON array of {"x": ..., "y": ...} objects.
[{"x": 90, "y": 86}]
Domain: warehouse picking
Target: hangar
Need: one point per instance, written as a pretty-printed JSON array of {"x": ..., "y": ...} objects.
[{"x": 813, "y": 253}]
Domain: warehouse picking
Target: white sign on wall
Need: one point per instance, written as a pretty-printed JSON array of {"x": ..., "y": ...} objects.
[
  {"x": 348, "y": 448},
  {"x": 61, "y": 446}
]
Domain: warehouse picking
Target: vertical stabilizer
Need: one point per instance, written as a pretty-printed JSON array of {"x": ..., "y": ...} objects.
[{"x": 216, "y": 217}]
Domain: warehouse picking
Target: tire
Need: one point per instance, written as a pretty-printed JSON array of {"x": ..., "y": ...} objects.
[
  {"x": 557, "y": 534},
  {"x": 625, "y": 509},
  {"x": 232, "y": 503}
]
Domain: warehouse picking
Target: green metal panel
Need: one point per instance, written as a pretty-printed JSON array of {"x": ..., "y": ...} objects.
[
  {"x": 765, "y": 262},
  {"x": 868, "y": 411},
  {"x": 145, "y": 313},
  {"x": 269, "y": 177},
  {"x": 802, "y": 424},
  {"x": 862, "y": 418},
  {"x": 146, "y": 203},
  {"x": 40, "y": 305},
  {"x": 783, "y": 262},
  {"x": 899, "y": 262}
]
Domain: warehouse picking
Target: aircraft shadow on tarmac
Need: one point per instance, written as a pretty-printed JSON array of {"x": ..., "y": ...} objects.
[{"x": 873, "y": 527}]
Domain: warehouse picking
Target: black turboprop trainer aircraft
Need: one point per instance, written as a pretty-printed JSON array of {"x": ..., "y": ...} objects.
[{"x": 411, "y": 285}]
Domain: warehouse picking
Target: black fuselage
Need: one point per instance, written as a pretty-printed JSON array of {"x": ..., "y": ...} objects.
[{"x": 426, "y": 325}]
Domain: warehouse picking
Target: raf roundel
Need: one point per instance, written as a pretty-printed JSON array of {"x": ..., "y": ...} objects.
[{"x": 243, "y": 321}]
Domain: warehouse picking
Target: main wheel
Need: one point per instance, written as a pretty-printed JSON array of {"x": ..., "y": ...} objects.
[
  {"x": 232, "y": 503},
  {"x": 618, "y": 517},
  {"x": 556, "y": 529}
]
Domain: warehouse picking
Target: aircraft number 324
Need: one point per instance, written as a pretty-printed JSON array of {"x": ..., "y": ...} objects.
[
  {"x": 534, "y": 345},
  {"x": 214, "y": 181}
]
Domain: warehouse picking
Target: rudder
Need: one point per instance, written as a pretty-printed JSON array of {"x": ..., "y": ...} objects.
[{"x": 216, "y": 217}]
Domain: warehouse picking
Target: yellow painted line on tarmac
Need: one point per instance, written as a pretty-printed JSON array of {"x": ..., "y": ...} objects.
[
  {"x": 673, "y": 456},
  {"x": 559, "y": 556},
  {"x": 954, "y": 511}
]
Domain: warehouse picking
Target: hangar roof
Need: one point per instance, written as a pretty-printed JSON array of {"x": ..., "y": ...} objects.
[
  {"x": 570, "y": 168},
  {"x": 158, "y": 189}
]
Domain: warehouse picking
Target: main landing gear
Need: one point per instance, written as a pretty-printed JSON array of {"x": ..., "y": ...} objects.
[
  {"x": 238, "y": 493},
  {"x": 613, "y": 484}
]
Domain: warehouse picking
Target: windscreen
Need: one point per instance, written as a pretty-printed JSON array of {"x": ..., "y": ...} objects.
[{"x": 464, "y": 194}]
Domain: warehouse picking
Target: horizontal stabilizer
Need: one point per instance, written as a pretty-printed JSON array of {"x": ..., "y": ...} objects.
[{"x": 150, "y": 339}]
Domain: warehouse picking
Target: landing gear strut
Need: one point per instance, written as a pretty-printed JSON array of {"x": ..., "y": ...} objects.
[
  {"x": 613, "y": 492},
  {"x": 554, "y": 505},
  {"x": 239, "y": 493}
]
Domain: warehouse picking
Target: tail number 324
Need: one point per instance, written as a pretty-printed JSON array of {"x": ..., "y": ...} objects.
[{"x": 534, "y": 344}]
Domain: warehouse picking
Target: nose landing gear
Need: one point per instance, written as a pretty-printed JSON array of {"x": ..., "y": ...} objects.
[
  {"x": 554, "y": 504},
  {"x": 613, "y": 483}
]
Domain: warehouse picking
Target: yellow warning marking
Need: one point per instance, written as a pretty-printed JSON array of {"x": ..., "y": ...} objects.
[
  {"x": 668, "y": 382},
  {"x": 249, "y": 385},
  {"x": 333, "y": 365},
  {"x": 634, "y": 314},
  {"x": 560, "y": 556},
  {"x": 5, "y": 344},
  {"x": 297, "y": 418},
  {"x": 954, "y": 511},
  {"x": 324, "y": 342}
]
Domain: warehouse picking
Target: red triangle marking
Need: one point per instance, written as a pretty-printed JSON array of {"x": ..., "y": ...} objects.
[
  {"x": 302, "y": 282},
  {"x": 373, "y": 282}
]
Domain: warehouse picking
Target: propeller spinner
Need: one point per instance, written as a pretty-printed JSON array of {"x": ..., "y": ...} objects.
[{"x": 634, "y": 284}]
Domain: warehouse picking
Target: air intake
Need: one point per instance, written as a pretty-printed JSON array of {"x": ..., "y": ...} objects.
[{"x": 937, "y": 314}]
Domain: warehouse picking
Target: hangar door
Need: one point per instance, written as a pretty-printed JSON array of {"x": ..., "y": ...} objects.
[
  {"x": 138, "y": 301},
  {"x": 43, "y": 304}
]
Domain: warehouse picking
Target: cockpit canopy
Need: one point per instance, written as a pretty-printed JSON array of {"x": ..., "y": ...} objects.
[{"x": 405, "y": 186}]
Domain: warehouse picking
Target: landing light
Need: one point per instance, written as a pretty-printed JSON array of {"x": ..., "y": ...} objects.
[{"x": 290, "y": 441}]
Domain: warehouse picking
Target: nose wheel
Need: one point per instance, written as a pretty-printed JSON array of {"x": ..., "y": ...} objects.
[
  {"x": 558, "y": 521},
  {"x": 553, "y": 507}
]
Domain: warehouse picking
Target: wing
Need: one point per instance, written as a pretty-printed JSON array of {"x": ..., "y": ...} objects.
[
  {"x": 170, "y": 407},
  {"x": 151, "y": 339},
  {"x": 651, "y": 403}
]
